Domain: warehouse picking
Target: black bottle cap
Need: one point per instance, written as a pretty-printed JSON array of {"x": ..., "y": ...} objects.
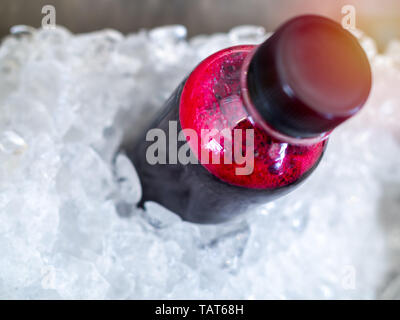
[{"x": 308, "y": 77}]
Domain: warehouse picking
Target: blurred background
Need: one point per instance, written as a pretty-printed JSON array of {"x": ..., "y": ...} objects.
[{"x": 379, "y": 18}]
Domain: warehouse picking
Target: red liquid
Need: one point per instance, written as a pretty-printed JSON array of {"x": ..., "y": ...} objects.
[{"x": 212, "y": 99}]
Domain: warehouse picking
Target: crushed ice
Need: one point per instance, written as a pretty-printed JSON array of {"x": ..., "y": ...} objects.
[{"x": 69, "y": 227}]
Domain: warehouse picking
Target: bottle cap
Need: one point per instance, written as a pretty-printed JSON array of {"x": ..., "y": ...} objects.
[{"x": 308, "y": 77}]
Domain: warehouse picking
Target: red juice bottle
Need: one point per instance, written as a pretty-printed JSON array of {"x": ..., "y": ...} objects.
[{"x": 282, "y": 99}]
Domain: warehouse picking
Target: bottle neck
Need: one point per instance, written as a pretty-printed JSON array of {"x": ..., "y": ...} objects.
[{"x": 257, "y": 119}]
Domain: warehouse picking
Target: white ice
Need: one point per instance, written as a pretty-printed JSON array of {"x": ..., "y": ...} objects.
[{"x": 69, "y": 227}]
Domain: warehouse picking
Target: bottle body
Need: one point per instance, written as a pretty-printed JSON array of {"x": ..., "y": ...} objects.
[{"x": 211, "y": 104}]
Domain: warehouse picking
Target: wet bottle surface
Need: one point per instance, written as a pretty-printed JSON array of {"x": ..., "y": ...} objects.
[{"x": 289, "y": 93}]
